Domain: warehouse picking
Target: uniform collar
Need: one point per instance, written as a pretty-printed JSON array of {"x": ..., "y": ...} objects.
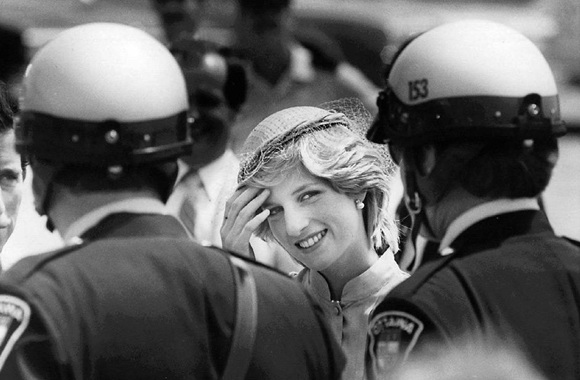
[
  {"x": 301, "y": 68},
  {"x": 136, "y": 205},
  {"x": 481, "y": 212}
]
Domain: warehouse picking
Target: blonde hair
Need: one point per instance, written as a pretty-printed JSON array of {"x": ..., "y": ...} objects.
[{"x": 348, "y": 164}]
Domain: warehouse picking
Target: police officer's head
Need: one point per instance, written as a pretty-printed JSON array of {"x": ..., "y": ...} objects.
[
  {"x": 181, "y": 18},
  {"x": 471, "y": 104},
  {"x": 216, "y": 87},
  {"x": 103, "y": 108},
  {"x": 263, "y": 29}
]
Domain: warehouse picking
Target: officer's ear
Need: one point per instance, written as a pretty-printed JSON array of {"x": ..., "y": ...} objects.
[{"x": 425, "y": 159}]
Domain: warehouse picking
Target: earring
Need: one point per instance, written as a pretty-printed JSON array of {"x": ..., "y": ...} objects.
[{"x": 359, "y": 204}]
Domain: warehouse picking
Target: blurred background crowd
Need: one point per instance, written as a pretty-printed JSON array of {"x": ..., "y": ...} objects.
[{"x": 366, "y": 33}]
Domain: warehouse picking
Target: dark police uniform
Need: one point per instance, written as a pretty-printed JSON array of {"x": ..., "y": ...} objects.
[
  {"x": 138, "y": 300},
  {"x": 509, "y": 277}
]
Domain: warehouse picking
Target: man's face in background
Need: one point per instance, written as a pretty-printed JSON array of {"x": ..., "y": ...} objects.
[{"x": 11, "y": 185}]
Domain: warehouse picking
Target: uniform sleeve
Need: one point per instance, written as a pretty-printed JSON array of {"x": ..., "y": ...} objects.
[
  {"x": 398, "y": 330},
  {"x": 25, "y": 346}
]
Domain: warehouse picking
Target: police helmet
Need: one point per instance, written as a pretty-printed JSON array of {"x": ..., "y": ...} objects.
[
  {"x": 470, "y": 79},
  {"x": 104, "y": 94}
]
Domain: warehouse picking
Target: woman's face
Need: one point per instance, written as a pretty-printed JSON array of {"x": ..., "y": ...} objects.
[{"x": 318, "y": 226}]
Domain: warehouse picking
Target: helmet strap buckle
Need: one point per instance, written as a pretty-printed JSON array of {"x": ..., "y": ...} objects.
[{"x": 414, "y": 203}]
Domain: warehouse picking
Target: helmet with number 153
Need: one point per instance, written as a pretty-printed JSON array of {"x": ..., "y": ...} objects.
[{"x": 470, "y": 79}]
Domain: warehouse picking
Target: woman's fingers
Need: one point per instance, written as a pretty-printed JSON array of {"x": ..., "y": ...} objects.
[
  {"x": 252, "y": 206},
  {"x": 242, "y": 217},
  {"x": 253, "y": 224},
  {"x": 239, "y": 200},
  {"x": 243, "y": 205}
]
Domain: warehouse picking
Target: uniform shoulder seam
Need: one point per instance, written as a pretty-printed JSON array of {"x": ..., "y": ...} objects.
[
  {"x": 420, "y": 277},
  {"x": 252, "y": 263},
  {"x": 44, "y": 258}
]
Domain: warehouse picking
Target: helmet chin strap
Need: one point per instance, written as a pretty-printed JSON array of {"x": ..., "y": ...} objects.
[
  {"x": 42, "y": 184},
  {"x": 416, "y": 205},
  {"x": 428, "y": 189}
]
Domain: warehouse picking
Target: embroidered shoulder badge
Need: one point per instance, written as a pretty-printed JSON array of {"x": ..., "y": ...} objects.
[
  {"x": 391, "y": 337},
  {"x": 14, "y": 318}
]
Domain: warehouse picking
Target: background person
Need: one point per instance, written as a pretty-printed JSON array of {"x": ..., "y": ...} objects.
[
  {"x": 285, "y": 72},
  {"x": 311, "y": 183},
  {"x": 477, "y": 144},
  {"x": 12, "y": 170},
  {"x": 180, "y": 19},
  {"x": 216, "y": 89},
  {"x": 131, "y": 296}
]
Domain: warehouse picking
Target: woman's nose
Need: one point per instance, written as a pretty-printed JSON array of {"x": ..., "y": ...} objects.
[{"x": 296, "y": 221}]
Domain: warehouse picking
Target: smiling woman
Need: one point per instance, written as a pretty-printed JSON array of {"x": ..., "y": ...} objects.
[{"x": 310, "y": 182}]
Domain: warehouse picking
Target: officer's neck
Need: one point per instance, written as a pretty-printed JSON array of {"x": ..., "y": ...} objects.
[
  {"x": 441, "y": 214},
  {"x": 68, "y": 206}
]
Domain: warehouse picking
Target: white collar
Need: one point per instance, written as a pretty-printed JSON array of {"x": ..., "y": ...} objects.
[
  {"x": 374, "y": 278},
  {"x": 301, "y": 69},
  {"x": 480, "y": 212},
  {"x": 182, "y": 170},
  {"x": 139, "y": 205},
  {"x": 212, "y": 174}
]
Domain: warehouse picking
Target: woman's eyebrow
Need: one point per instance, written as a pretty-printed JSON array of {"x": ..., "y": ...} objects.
[{"x": 303, "y": 187}]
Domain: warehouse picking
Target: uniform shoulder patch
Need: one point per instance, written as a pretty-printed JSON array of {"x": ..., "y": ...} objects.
[
  {"x": 14, "y": 318},
  {"x": 391, "y": 337}
]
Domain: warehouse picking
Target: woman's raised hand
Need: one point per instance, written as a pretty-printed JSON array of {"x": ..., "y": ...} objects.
[{"x": 242, "y": 216}]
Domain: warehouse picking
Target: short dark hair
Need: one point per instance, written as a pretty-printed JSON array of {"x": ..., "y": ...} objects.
[
  {"x": 14, "y": 52},
  {"x": 8, "y": 111},
  {"x": 133, "y": 178},
  {"x": 508, "y": 168}
]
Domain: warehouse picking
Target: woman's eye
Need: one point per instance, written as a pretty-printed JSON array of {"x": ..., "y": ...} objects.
[
  {"x": 275, "y": 211},
  {"x": 308, "y": 195}
]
